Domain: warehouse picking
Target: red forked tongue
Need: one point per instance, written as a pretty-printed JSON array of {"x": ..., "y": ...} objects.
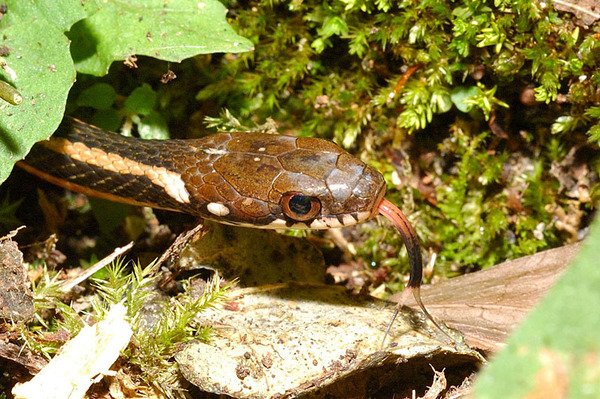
[{"x": 411, "y": 241}]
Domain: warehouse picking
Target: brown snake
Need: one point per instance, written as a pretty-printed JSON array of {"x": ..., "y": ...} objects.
[{"x": 250, "y": 179}]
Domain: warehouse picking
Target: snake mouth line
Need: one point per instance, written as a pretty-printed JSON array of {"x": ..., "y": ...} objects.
[{"x": 320, "y": 223}]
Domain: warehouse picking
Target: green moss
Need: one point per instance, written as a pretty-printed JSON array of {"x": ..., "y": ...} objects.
[
  {"x": 354, "y": 52},
  {"x": 493, "y": 215},
  {"x": 372, "y": 72},
  {"x": 159, "y": 323},
  {"x": 156, "y": 333}
]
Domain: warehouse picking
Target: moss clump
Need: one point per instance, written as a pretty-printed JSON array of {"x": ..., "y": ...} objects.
[{"x": 160, "y": 324}]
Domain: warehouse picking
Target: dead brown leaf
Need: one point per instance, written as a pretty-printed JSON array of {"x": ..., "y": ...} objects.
[
  {"x": 487, "y": 305},
  {"x": 586, "y": 11},
  {"x": 16, "y": 298}
]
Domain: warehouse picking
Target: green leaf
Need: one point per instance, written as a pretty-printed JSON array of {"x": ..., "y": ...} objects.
[
  {"x": 557, "y": 346},
  {"x": 461, "y": 94},
  {"x": 98, "y": 96},
  {"x": 170, "y": 31},
  {"x": 141, "y": 100},
  {"x": 39, "y": 66},
  {"x": 333, "y": 26},
  {"x": 110, "y": 215},
  {"x": 37, "y": 63},
  {"x": 67, "y": 12},
  {"x": 108, "y": 119},
  {"x": 153, "y": 126},
  {"x": 8, "y": 219}
]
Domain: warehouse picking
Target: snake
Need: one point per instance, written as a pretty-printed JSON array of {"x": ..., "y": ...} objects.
[{"x": 251, "y": 179}]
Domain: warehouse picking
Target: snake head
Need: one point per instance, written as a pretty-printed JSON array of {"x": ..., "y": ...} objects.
[
  {"x": 323, "y": 186},
  {"x": 274, "y": 181}
]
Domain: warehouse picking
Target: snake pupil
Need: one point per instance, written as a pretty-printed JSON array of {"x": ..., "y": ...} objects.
[{"x": 300, "y": 204}]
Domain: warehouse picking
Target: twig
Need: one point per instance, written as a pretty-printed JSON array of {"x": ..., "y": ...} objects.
[
  {"x": 402, "y": 81},
  {"x": 12, "y": 233},
  {"x": 69, "y": 284},
  {"x": 180, "y": 242}
]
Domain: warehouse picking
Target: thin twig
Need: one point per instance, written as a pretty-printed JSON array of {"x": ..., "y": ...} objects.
[
  {"x": 69, "y": 284},
  {"x": 11, "y": 234}
]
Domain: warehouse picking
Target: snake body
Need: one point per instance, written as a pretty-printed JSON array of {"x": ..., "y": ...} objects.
[{"x": 250, "y": 179}]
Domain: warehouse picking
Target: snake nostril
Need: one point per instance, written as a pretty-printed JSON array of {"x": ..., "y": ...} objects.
[{"x": 300, "y": 207}]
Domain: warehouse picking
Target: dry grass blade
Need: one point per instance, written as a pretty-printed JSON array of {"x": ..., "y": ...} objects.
[{"x": 87, "y": 273}]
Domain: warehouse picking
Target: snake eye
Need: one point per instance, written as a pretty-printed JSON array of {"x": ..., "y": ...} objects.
[{"x": 300, "y": 207}]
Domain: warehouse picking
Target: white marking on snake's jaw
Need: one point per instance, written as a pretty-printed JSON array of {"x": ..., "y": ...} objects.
[
  {"x": 333, "y": 222},
  {"x": 321, "y": 223},
  {"x": 256, "y": 159},
  {"x": 170, "y": 181},
  {"x": 262, "y": 149},
  {"x": 349, "y": 220},
  {"x": 318, "y": 224},
  {"x": 217, "y": 209},
  {"x": 362, "y": 216},
  {"x": 276, "y": 224}
]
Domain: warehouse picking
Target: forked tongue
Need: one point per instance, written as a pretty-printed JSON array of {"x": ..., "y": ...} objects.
[{"x": 413, "y": 247}]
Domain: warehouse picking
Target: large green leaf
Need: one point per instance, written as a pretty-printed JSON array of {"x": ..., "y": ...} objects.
[
  {"x": 556, "y": 352},
  {"x": 37, "y": 63},
  {"x": 167, "y": 30}
]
